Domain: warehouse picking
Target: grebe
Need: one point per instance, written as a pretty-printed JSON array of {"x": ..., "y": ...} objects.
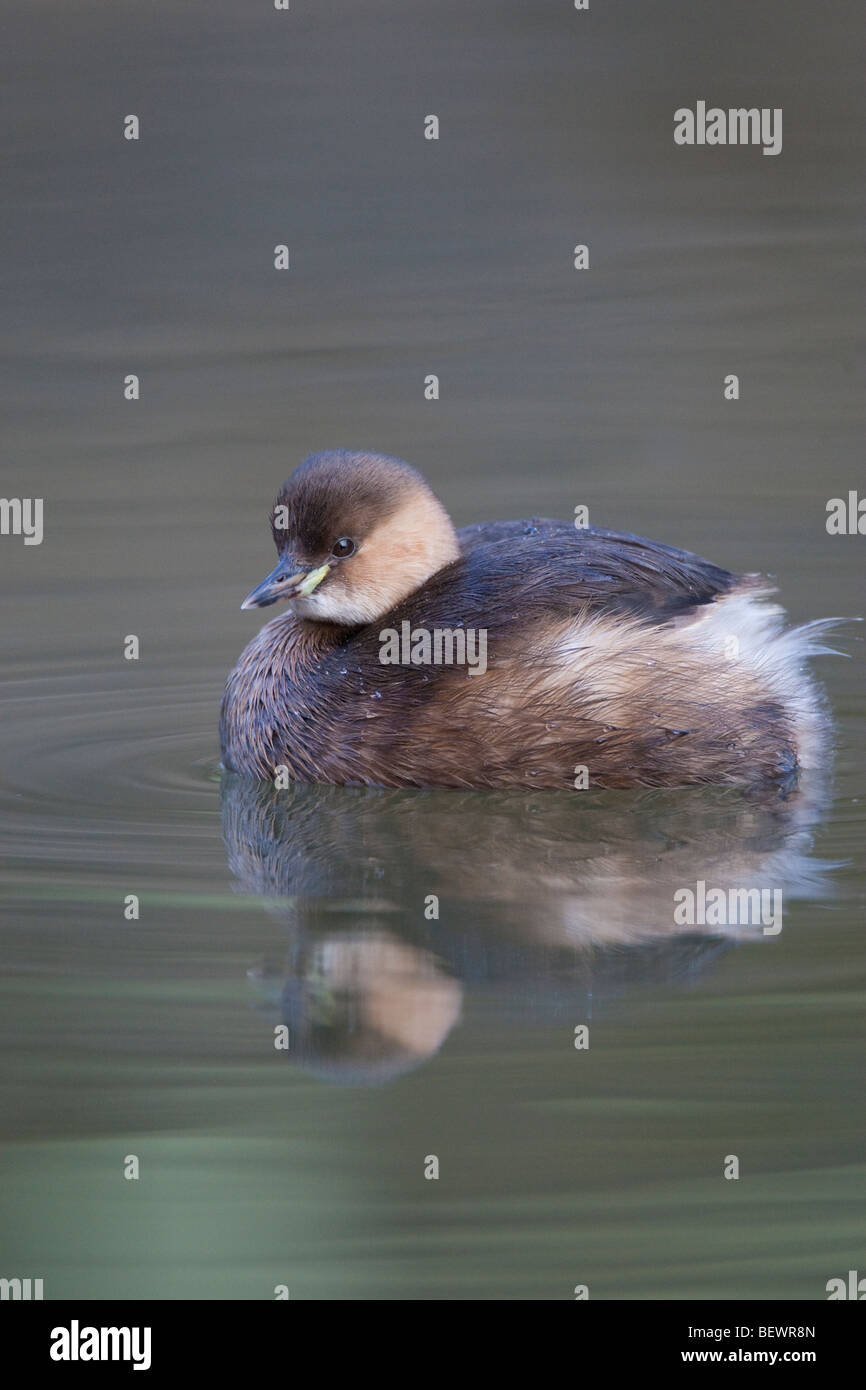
[{"x": 610, "y": 660}]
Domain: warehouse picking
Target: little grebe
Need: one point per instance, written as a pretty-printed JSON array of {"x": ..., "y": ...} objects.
[{"x": 608, "y": 660}]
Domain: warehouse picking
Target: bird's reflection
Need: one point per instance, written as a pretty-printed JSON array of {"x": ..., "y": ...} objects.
[{"x": 396, "y": 903}]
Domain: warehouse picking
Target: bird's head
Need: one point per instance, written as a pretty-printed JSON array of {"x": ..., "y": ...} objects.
[{"x": 355, "y": 534}]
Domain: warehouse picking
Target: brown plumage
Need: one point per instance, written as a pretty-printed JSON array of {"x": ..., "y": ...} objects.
[{"x": 642, "y": 664}]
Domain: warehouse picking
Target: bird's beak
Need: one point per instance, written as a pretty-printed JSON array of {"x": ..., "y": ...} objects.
[{"x": 286, "y": 581}]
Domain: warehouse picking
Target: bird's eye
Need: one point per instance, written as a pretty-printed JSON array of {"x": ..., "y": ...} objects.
[{"x": 343, "y": 547}]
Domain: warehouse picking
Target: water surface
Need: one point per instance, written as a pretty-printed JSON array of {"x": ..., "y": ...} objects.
[{"x": 411, "y": 1036}]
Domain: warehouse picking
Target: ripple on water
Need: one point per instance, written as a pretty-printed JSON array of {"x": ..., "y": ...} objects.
[{"x": 89, "y": 757}]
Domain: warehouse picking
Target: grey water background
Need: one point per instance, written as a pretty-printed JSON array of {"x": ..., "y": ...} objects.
[{"x": 412, "y": 1037}]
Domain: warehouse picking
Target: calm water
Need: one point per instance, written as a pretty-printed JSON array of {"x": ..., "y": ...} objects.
[{"x": 413, "y": 1037}]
